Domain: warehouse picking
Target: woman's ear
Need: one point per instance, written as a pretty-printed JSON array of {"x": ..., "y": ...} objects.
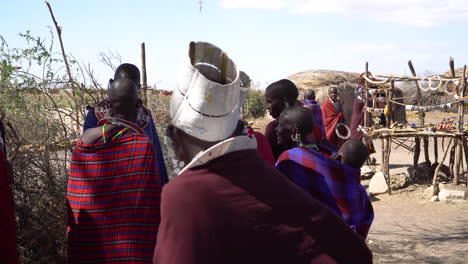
[{"x": 286, "y": 103}]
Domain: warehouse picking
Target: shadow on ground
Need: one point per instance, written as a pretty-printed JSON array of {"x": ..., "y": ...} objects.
[{"x": 413, "y": 244}]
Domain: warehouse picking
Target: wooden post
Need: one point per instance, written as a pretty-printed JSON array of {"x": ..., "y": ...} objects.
[
  {"x": 387, "y": 163},
  {"x": 436, "y": 150},
  {"x": 465, "y": 149},
  {"x": 382, "y": 165},
  {"x": 436, "y": 172},
  {"x": 144, "y": 80},
  {"x": 457, "y": 142},
  {"x": 67, "y": 67},
  {"x": 390, "y": 97},
  {"x": 426, "y": 151},
  {"x": 417, "y": 151},
  {"x": 418, "y": 89}
]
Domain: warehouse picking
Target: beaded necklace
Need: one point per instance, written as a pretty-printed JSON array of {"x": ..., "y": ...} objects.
[
  {"x": 115, "y": 136},
  {"x": 308, "y": 146}
]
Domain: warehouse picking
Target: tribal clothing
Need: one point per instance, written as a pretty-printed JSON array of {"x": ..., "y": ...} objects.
[
  {"x": 235, "y": 208},
  {"x": 263, "y": 146},
  {"x": 8, "y": 249},
  {"x": 113, "y": 201},
  {"x": 319, "y": 130},
  {"x": 331, "y": 117},
  {"x": 358, "y": 120},
  {"x": 333, "y": 183},
  {"x": 144, "y": 120}
]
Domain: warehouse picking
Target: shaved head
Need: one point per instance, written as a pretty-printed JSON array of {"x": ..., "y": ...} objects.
[
  {"x": 124, "y": 98},
  {"x": 128, "y": 71},
  {"x": 283, "y": 89},
  {"x": 354, "y": 153},
  {"x": 300, "y": 118},
  {"x": 309, "y": 95}
]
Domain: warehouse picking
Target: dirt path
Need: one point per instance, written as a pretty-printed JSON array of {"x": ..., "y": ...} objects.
[{"x": 409, "y": 229}]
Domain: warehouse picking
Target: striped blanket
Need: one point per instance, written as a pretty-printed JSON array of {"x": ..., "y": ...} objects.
[
  {"x": 334, "y": 184},
  {"x": 319, "y": 129},
  {"x": 113, "y": 201},
  {"x": 8, "y": 250}
]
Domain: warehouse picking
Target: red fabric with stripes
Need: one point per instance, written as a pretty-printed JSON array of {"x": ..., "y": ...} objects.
[{"x": 113, "y": 201}]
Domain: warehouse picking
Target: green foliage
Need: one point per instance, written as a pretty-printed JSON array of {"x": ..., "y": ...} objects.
[
  {"x": 255, "y": 105},
  {"x": 39, "y": 107}
]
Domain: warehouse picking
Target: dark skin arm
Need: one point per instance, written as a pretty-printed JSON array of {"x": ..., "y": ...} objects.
[{"x": 92, "y": 135}]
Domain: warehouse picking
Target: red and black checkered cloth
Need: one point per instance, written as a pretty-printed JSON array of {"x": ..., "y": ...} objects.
[
  {"x": 333, "y": 183},
  {"x": 113, "y": 200}
]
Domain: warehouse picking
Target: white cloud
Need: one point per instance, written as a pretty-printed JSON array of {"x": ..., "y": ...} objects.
[{"x": 422, "y": 13}]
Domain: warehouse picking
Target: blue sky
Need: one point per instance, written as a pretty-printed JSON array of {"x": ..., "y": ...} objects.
[{"x": 269, "y": 39}]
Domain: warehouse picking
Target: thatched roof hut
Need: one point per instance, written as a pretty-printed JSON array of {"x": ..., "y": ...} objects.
[{"x": 321, "y": 80}]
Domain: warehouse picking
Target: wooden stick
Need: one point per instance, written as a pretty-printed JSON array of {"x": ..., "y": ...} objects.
[
  {"x": 387, "y": 164},
  {"x": 67, "y": 66},
  {"x": 465, "y": 150},
  {"x": 382, "y": 165},
  {"x": 418, "y": 89},
  {"x": 426, "y": 151},
  {"x": 436, "y": 172},
  {"x": 417, "y": 151},
  {"x": 144, "y": 80}
]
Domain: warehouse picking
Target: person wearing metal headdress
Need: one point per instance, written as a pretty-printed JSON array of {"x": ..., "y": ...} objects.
[
  {"x": 113, "y": 191},
  {"x": 144, "y": 118},
  {"x": 227, "y": 205}
]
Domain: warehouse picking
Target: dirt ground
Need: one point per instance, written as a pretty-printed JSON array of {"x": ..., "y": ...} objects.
[
  {"x": 410, "y": 229},
  {"x": 407, "y": 227}
]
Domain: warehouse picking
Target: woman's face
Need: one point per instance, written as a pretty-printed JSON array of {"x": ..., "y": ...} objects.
[
  {"x": 284, "y": 132},
  {"x": 274, "y": 105}
]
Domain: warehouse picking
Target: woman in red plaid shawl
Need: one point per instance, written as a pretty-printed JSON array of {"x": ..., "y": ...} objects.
[
  {"x": 334, "y": 184},
  {"x": 332, "y": 116},
  {"x": 114, "y": 189}
]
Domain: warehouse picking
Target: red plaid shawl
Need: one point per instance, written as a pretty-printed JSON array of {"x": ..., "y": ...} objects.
[
  {"x": 8, "y": 250},
  {"x": 113, "y": 197},
  {"x": 330, "y": 119},
  {"x": 333, "y": 183}
]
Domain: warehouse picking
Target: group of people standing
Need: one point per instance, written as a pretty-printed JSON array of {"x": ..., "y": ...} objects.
[{"x": 292, "y": 195}]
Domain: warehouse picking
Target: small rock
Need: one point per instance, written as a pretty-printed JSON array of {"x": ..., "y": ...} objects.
[
  {"x": 399, "y": 180},
  {"x": 435, "y": 198},
  {"x": 448, "y": 196},
  {"x": 378, "y": 184},
  {"x": 367, "y": 172},
  {"x": 429, "y": 192},
  {"x": 366, "y": 169}
]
